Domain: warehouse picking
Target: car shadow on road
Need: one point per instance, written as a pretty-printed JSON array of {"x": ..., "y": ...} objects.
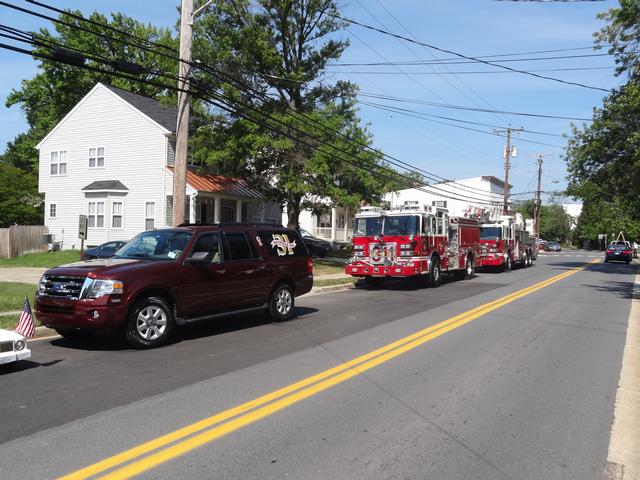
[
  {"x": 235, "y": 322},
  {"x": 23, "y": 365},
  {"x": 204, "y": 328},
  {"x": 402, "y": 284}
]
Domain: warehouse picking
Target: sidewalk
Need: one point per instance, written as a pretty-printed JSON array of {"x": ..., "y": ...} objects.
[{"x": 21, "y": 274}]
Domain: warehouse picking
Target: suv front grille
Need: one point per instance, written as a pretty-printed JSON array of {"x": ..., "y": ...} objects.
[
  {"x": 6, "y": 347},
  {"x": 61, "y": 286}
]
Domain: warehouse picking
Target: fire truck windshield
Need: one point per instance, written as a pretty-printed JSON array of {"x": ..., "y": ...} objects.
[
  {"x": 401, "y": 225},
  {"x": 490, "y": 233},
  {"x": 368, "y": 227}
]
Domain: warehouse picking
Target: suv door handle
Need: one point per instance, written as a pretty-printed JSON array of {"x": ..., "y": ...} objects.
[
  {"x": 262, "y": 267},
  {"x": 222, "y": 270}
]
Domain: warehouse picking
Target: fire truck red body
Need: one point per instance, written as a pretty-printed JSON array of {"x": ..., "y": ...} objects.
[
  {"x": 506, "y": 243},
  {"x": 413, "y": 241}
]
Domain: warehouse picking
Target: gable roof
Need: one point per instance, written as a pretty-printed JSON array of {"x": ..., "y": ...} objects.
[
  {"x": 106, "y": 186},
  {"x": 164, "y": 116},
  {"x": 208, "y": 182}
]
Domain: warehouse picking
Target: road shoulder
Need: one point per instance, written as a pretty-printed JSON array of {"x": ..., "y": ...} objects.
[{"x": 623, "y": 461}]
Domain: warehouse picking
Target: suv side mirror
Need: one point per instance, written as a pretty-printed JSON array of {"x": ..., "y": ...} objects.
[{"x": 200, "y": 257}]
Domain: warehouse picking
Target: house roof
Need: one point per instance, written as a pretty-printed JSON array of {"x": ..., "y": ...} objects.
[
  {"x": 495, "y": 180},
  {"x": 105, "y": 185},
  {"x": 208, "y": 182},
  {"x": 165, "y": 116}
]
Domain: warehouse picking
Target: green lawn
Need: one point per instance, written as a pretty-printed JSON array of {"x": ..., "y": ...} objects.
[
  {"x": 42, "y": 259},
  {"x": 334, "y": 281},
  {"x": 324, "y": 267},
  {"x": 12, "y": 295}
]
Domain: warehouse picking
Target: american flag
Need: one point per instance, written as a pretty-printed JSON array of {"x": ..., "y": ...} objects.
[{"x": 26, "y": 327}]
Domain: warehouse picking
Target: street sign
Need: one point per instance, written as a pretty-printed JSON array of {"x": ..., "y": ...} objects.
[
  {"x": 600, "y": 236},
  {"x": 82, "y": 227}
]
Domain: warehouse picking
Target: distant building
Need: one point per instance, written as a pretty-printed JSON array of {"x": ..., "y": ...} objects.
[
  {"x": 573, "y": 210},
  {"x": 457, "y": 196},
  {"x": 111, "y": 158}
]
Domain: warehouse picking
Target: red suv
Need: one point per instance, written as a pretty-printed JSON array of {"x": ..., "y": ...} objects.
[{"x": 174, "y": 276}]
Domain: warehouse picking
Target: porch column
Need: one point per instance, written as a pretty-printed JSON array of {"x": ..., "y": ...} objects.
[
  {"x": 346, "y": 224},
  {"x": 216, "y": 209},
  {"x": 333, "y": 224},
  {"x": 238, "y": 210},
  {"x": 192, "y": 208}
]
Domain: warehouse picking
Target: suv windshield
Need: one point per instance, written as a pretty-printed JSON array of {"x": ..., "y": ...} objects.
[
  {"x": 401, "y": 225},
  {"x": 156, "y": 245},
  {"x": 490, "y": 233},
  {"x": 369, "y": 226}
]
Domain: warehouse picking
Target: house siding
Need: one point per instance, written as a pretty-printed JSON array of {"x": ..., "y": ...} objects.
[{"x": 135, "y": 150}]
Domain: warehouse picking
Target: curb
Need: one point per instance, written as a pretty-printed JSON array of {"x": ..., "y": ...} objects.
[{"x": 332, "y": 288}]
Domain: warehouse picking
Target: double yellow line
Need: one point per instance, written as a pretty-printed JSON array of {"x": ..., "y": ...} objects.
[{"x": 192, "y": 436}]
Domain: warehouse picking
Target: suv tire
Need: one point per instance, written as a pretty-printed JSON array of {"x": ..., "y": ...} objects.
[
  {"x": 150, "y": 323},
  {"x": 281, "y": 302}
]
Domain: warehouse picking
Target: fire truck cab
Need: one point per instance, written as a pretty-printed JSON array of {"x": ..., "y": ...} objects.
[
  {"x": 413, "y": 240},
  {"x": 507, "y": 243}
]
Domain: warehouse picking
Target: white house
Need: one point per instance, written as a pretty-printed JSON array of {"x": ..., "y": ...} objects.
[
  {"x": 483, "y": 192},
  {"x": 111, "y": 158},
  {"x": 336, "y": 224}
]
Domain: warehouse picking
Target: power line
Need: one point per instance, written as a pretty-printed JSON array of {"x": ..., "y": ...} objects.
[
  {"x": 524, "y": 72},
  {"x": 218, "y": 73},
  {"x": 453, "y": 61},
  {"x": 474, "y": 72},
  {"x": 460, "y": 107},
  {"x": 223, "y": 103}
]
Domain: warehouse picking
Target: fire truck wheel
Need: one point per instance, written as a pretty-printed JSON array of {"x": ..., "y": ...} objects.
[
  {"x": 528, "y": 261},
  {"x": 469, "y": 269},
  {"x": 435, "y": 273},
  {"x": 507, "y": 264}
]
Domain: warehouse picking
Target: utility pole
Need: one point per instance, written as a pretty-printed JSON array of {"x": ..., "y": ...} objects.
[
  {"x": 187, "y": 16},
  {"x": 184, "y": 107},
  {"x": 536, "y": 225},
  {"x": 507, "y": 155}
]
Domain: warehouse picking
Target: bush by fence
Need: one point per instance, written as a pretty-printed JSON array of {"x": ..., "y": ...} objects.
[{"x": 19, "y": 239}]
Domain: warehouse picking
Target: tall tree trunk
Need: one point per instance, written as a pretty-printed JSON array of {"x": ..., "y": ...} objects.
[{"x": 293, "y": 210}]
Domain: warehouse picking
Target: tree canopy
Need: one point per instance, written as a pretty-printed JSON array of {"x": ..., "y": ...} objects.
[
  {"x": 294, "y": 134},
  {"x": 604, "y": 157}
]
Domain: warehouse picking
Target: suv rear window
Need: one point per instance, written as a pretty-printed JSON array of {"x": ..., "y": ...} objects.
[{"x": 283, "y": 243}]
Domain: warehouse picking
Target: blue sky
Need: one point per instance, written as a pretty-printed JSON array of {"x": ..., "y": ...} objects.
[{"x": 471, "y": 27}]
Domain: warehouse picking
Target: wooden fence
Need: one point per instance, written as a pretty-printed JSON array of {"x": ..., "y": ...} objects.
[{"x": 19, "y": 239}]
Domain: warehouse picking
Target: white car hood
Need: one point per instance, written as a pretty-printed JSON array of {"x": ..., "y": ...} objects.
[{"x": 8, "y": 335}]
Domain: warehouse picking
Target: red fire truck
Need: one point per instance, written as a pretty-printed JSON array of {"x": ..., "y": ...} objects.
[
  {"x": 507, "y": 243},
  {"x": 414, "y": 240}
]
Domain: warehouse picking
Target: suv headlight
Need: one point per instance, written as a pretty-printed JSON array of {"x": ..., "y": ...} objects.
[
  {"x": 41, "y": 285},
  {"x": 99, "y": 288}
]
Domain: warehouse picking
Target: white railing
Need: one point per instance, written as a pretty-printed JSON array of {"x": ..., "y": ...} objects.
[{"x": 325, "y": 233}]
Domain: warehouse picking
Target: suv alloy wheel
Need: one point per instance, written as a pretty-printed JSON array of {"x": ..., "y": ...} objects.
[
  {"x": 281, "y": 302},
  {"x": 150, "y": 323}
]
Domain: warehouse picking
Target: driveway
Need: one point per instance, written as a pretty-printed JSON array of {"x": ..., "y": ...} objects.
[{"x": 21, "y": 274}]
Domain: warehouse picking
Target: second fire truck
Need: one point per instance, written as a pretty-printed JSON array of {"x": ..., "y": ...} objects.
[
  {"x": 413, "y": 241},
  {"x": 507, "y": 243}
]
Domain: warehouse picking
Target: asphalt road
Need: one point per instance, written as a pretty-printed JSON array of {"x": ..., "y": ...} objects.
[{"x": 524, "y": 391}]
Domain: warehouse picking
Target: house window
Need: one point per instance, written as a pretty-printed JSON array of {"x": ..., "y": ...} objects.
[
  {"x": 53, "y": 210},
  {"x": 96, "y": 157},
  {"x": 96, "y": 215},
  {"x": 116, "y": 214},
  {"x": 439, "y": 203},
  {"x": 149, "y": 215},
  {"x": 59, "y": 163}
]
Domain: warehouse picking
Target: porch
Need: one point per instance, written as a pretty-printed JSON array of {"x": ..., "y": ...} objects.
[{"x": 336, "y": 225}]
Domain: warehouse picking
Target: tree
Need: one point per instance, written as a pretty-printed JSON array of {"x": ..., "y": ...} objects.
[
  {"x": 604, "y": 157},
  {"x": 18, "y": 202},
  {"x": 555, "y": 223},
  {"x": 276, "y": 51},
  {"x": 57, "y": 87}
]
